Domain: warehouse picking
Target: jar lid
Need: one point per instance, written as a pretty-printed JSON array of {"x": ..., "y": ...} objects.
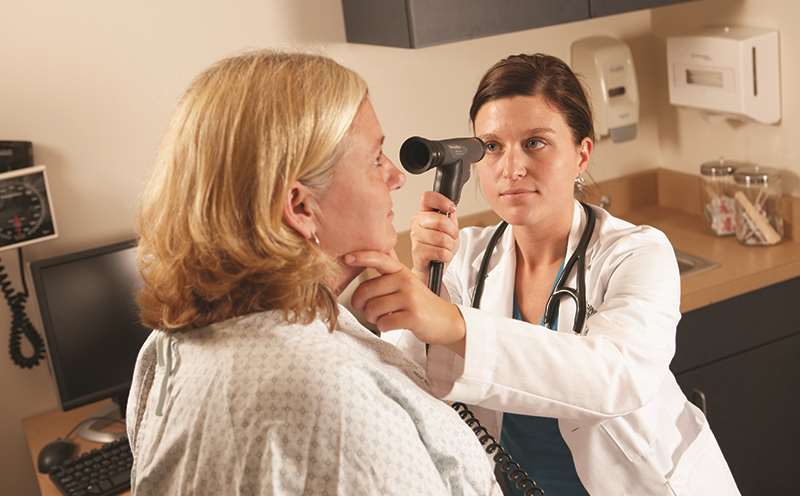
[
  {"x": 757, "y": 176},
  {"x": 722, "y": 167}
]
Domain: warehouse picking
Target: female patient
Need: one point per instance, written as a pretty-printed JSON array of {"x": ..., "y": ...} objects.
[{"x": 256, "y": 381}]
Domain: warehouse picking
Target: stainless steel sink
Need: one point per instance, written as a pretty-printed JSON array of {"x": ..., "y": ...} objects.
[{"x": 691, "y": 264}]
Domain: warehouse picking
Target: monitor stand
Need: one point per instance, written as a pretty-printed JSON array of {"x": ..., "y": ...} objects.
[{"x": 92, "y": 428}]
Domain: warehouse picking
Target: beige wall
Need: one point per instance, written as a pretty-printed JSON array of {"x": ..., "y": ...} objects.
[
  {"x": 93, "y": 83},
  {"x": 687, "y": 138}
]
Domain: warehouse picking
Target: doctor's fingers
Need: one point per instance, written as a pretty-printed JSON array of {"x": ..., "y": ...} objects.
[
  {"x": 380, "y": 286},
  {"x": 422, "y": 254},
  {"x": 414, "y": 308},
  {"x": 433, "y": 201},
  {"x": 376, "y": 309},
  {"x": 428, "y": 317},
  {"x": 433, "y": 237},
  {"x": 385, "y": 263},
  {"x": 434, "y": 221},
  {"x": 393, "y": 320}
]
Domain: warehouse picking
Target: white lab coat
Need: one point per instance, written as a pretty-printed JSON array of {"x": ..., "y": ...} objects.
[{"x": 629, "y": 427}]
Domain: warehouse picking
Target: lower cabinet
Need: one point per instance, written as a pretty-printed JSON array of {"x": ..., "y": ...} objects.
[
  {"x": 739, "y": 361},
  {"x": 752, "y": 404}
]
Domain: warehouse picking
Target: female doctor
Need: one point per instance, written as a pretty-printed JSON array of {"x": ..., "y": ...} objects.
[{"x": 566, "y": 361}]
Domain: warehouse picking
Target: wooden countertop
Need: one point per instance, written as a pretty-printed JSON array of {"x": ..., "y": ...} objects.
[
  {"x": 741, "y": 268},
  {"x": 46, "y": 427}
]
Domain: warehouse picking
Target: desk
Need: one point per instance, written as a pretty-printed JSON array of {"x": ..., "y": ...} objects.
[{"x": 46, "y": 427}]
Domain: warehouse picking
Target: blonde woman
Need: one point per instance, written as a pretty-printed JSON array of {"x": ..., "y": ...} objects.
[{"x": 256, "y": 381}]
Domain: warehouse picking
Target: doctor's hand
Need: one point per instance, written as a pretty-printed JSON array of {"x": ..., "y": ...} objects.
[
  {"x": 396, "y": 299},
  {"x": 434, "y": 233}
]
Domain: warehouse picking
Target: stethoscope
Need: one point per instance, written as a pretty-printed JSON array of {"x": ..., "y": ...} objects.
[{"x": 551, "y": 308}]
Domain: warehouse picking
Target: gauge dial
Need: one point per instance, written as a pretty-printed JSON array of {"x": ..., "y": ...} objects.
[
  {"x": 24, "y": 209},
  {"x": 20, "y": 211}
]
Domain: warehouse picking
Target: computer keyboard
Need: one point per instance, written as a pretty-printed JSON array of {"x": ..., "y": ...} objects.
[{"x": 101, "y": 472}]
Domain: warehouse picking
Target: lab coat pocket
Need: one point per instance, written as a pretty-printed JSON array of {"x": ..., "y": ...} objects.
[{"x": 631, "y": 435}]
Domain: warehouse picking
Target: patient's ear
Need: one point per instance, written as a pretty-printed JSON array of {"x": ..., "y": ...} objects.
[{"x": 298, "y": 210}]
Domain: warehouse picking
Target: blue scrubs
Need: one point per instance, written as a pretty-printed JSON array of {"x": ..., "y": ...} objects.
[{"x": 536, "y": 444}]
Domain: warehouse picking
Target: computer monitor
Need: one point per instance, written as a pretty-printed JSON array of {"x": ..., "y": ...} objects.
[{"x": 91, "y": 322}]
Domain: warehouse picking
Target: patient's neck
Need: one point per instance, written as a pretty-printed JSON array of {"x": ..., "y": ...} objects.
[{"x": 346, "y": 275}]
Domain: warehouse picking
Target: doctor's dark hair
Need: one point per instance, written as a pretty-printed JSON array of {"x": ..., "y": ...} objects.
[
  {"x": 212, "y": 241},
  {"x": 538, "y": 74}
]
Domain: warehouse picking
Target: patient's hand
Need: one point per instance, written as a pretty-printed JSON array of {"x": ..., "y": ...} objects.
[{"x": 396, "y": 299}]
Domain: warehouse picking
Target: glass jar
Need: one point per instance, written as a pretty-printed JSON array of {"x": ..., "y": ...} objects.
[
  {"x": 758, "y": 205},
  {"x": 719, "y": 207}
]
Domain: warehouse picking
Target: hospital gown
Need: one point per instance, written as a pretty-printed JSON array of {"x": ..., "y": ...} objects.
[{"x": 255, "y": 406}]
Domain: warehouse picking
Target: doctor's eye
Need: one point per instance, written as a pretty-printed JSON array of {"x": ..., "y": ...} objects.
[
  {"x": 534, "y": 143},
  {"x": 379, "y": 160},
  {"x": 492, "y": 147}
]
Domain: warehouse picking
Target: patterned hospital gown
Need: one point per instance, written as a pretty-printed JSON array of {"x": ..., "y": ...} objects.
[{"x": 255, "y": 406}]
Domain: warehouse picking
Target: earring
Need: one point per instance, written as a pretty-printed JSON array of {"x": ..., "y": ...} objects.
[
  {"x": 316, "y": 239},
  {"x": 580, "y": 187}
]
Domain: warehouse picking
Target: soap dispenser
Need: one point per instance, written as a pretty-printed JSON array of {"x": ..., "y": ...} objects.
[{"x": 606, "y": 66}]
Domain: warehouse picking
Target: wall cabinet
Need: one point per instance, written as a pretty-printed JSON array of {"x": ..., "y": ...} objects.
[
  {"x": 421, "y": 23},
  {"x": 739, "y": 361},
  {"x": 599, "y": 8}
]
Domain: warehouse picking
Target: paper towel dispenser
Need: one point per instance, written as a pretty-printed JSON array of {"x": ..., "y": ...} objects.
[
  {"x": 607, "y": 69},
  {"x": 732, "y": 71}
]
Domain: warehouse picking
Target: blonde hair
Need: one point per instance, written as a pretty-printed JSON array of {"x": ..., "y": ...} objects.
[{"x": 213, "y": 244}]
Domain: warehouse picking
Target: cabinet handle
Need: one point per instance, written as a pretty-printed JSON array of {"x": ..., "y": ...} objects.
[{"x": 699, "y": 400}]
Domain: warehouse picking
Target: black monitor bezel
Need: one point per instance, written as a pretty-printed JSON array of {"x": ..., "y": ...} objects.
[{"x": 58, "y": 371}]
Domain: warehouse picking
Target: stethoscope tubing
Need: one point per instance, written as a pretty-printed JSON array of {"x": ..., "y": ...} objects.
[{"x": 578, "y": 258}]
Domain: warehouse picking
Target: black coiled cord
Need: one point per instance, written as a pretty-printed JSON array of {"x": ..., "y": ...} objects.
[
  {"x": 20, "y": 323},
  {"x": 505, "y": 464}
]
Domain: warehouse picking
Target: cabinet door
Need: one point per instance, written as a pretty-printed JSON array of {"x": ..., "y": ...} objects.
[
  {"x": 753, "y": 407},
  {"x": 377, "y": 22},
  {"x": 421, "y": 23},
  {"x": 608, "y": 7},
  {"x": 736, "y": 325},
  {"x": 441, "y": 21}
]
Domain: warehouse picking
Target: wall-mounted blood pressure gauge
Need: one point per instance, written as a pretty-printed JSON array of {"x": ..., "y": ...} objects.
[{"x": 26, "y": 211}]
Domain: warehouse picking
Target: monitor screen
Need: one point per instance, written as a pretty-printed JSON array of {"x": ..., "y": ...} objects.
[{"x": 91, "y": 322}]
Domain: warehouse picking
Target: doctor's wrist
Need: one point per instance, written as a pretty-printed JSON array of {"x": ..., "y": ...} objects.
[{"x": 459, "y": 332}]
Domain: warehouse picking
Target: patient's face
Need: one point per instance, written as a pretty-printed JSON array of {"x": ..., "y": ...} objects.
[{"x": 356, "y": 209}]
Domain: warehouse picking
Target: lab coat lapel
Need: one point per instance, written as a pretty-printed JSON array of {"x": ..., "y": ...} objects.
[{"x": 498, "y": 290}]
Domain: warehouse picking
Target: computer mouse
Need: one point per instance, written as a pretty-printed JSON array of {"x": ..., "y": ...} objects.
[{"x": 54, "y": 454}]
